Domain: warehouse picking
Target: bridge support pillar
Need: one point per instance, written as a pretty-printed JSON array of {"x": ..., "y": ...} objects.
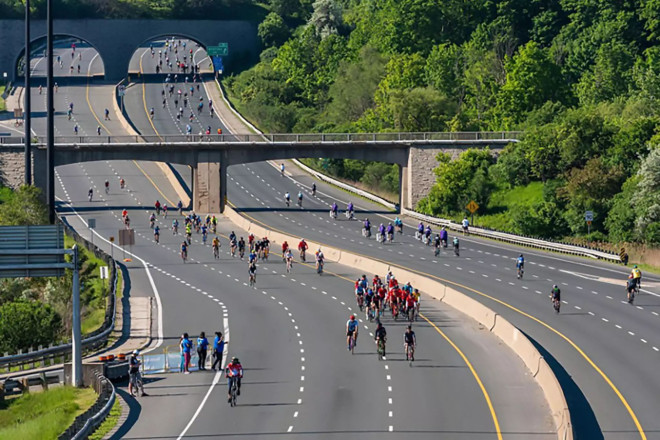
[
  {"x": 404, "y": 187},
  {"x": 210, "y": 183}
]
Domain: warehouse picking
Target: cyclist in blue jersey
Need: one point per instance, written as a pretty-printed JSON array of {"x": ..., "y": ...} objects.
[{"x": 351, "y": 331}]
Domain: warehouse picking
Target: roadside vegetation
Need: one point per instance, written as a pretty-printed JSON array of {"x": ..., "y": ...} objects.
[
  {"x": 581, "y": 78},
  {"x": 178, "y": 9},
  {"x": 43, "y": 415},
  {"x": 37, "y": 311},
  {"x": 3, "y": 106}
]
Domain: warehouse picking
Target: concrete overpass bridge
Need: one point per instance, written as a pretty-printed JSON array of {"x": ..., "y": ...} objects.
[{"x": 210, "y": 156}]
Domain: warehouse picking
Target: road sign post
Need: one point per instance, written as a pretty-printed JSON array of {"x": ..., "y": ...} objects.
[
  {"x": 589, "y": 217},
  {"x": 112, "y": 247},
  {"x": 91, "y": 224},
  {"x": 76, "y": 361},
  {"x": 472, "y": 207}
]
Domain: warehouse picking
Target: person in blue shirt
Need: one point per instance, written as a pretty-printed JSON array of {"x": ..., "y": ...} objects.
[
  {"x": 443, "y": 236},
  {"x": 186, "y": 347},
  {"x": 218, "y": 348},
  {"x": 202, "y": 350},
  {"x": 157, "y": 234}
]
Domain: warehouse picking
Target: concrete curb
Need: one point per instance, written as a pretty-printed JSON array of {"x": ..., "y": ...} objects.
[{"x": 500, "y": 327}]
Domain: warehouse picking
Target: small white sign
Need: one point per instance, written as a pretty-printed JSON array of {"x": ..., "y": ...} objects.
[
  {"x": 104, "y": 272},
  {"x": 589, "y": 216}
]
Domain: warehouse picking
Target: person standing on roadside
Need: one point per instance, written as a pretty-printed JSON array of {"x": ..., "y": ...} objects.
[
  {"x": 218, "y": 348},
  {"x": 202, "y": 349},
  {"x": 186, "y": 347}
]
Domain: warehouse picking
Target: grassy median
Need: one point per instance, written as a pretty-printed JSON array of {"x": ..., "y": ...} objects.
[{"x": 43, "y": 415}]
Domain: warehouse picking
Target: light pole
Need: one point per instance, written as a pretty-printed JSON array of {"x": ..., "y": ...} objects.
[
  {"x": 50, "y": 126},
  {"x": 28, "y": 104}
]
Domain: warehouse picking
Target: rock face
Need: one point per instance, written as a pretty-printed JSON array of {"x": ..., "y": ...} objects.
[
  {"x": 421, "y": 162},
  {"x": 12, "y": 169}
]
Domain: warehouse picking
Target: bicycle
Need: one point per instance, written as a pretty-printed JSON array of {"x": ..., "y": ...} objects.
[
  {"x": 410, "y": 353},
  {"x": 360, "y": 302},
  {"x": 456, "y": 251},
  {"x": 234, "y": 391},
  {"x": 302, "y": 255},
  {"x": 632, "y": 294},
  {"x": 520, "y": 272},
  {"x": 157, "y": 238},
  {"x": 381, "y": 349},
  {"x": 556, "y": 305},
  {"x": 319, "y": 267},
  {"x": 241, "y": 253},
  {"x": 233, "y": 251},
  {"x": 351, "y": 343},
  {"x": 253, "y": 279},
  {"x": 216, "y": 252},
  {"x": 137, "y": 384},
  {"x": 289, "y": 265},
  {"x": 184, "y": 255},
  {"x": 411, "y": 314}
]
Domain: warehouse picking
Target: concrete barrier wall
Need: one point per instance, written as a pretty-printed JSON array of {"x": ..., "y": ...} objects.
[{"x": 503, "y": 329}]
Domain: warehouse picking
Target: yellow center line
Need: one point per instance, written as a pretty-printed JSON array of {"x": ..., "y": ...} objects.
[
  {"x": 90, "y": 104},
  {"x": 609, "y": 382}
]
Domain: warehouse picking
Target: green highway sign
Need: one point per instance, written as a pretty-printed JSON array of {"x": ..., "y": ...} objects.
[{"x": 221, "y": 50}]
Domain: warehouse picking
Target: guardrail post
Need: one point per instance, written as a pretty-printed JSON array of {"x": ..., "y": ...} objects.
[{"x": 76, "y": 364}]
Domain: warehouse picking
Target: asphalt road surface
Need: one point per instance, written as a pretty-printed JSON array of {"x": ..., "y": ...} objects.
[{"x": 603, "y": 350}]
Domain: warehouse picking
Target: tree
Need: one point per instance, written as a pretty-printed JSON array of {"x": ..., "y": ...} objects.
[
  {"x": 27, "y": 324},
  {"x": 273, "y": 31},
  {"x": 444, "y": 70},
  {"x": 532, "y": 79},
  {"x": 326, "y": 18},
  {"x": 646, "y": 199},
  {"x": 24, "y": 207},
  {"x": 420, "y": 109},
  {"x": 611, "y": 74}
]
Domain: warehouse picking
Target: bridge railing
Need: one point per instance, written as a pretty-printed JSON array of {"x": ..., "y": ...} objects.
[{"x": 465, "y": 136}]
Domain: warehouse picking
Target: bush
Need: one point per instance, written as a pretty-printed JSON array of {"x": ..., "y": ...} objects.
[{"x": 25, "y": 325}]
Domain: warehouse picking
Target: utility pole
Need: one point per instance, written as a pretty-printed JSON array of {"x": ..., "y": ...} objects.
[
  {"x": 28, "y": 104},
  {"x": 50, "y": 123}
]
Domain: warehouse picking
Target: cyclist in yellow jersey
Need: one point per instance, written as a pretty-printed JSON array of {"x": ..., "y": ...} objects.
[
  {"x": 216, "y": 242},
  {"x": 637, "y": 275}
]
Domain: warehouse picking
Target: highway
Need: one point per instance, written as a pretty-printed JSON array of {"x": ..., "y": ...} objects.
[
  {"x": 603, "y": 350},
  {"x": 288, "y": 331}
]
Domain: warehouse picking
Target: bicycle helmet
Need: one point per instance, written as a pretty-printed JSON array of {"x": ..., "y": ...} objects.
[
  {"x": 352, "y": 317},
  {"x": 554, "y": 287},
  {"x": 136, "y": 352}
]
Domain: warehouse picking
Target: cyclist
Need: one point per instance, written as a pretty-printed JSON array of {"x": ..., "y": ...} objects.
[
  {"x": 107, "y": 114},
  {"x": 381, "y": 232},
  {"x": 232, "y": 236},
  {"x": 367, "y": 228},
  {"x": 165, "y": 211},
  {"x": 241, "y": 248},
  {"x": 455, "y": 242},
  {"x": 285, "y": 247},
  {"x": 443, "y": 236},
  {"x": 466, "y": 225},
  {"x": 124, "y": 213},
  {"x": 122, "y": 182},
  {"x": 630, "y": 287},
  {"x": 107, "y": 187},
  {"x": 319, "y": 260},
  {"x": 287, "y": 198},
  {"x": 151, "y": 113},
  {"x": 157, "y": 234},
  {"x": 555, "y": 295},
  {"x": 152, "y": 220},
  {"x": 420, "y": 231},
  {"x": 204, "y": 233},
  {"x": 157, "y": 206},
  {"x": 436, "y": 243},
  {"x": 252, "y": 256},
  {"x": 349, "y": 210},
  {"x": 389, "y": 232},
  {"x": 351, "y": 331},
  {"x": 282, "y": 169},
  {"x": 409, "y": 340},
  {"x": 134, "y": 374},
  {"x": 234, "y": 372},
  {"x": 90, "y": 194},
  {"x": 333, "y": 210},
  {"x": 637, "y": 276},
  {"x": 313, "y": 189},
  {"x": 188, "y": 232},
  {"x": 232, "y": 245},
  {"x": 300, "y": 197},
  {"x": 380, "y": 335},
  {"x": 179, "y": 207},
  {"x": 302, "y": 247},
  {"x": 288, "y": 257},
  {"x": 175, "y": 226},
  {"x": 520, "y": 264},
  {"x": 75, "y": 129},
  {"x": 184, "y": 250},
  {"x": 252, "y": 270},
  {"x": 398, "y": 224},
  {"x": 427, "y": 234},
  {"x": 127, "y": 222},
  {"x": 216, "y": 247}
]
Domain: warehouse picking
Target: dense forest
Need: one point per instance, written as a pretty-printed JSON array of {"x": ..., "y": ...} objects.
[{"x": 580, "y": 77}]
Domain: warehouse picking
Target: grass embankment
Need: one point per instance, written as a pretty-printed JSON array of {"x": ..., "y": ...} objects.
[
  {"x": 109, "y": 422},
  {"x": 3, "y": 106},
  {"x": 43, "y": 415},
  {"x": 93, "y": 312},
  {"x": 497, "y": 214}
]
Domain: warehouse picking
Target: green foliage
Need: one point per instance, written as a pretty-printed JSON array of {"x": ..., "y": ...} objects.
[
  {"x": 273, "y": 31},
  {"x": 458, "y": 182},
  {"x": 24, "y": 207},
  {"x": 25, "y": 324}
]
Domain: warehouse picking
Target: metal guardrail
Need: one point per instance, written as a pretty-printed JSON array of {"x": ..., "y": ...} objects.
[
  {"x": 466, "y": 136},
  {"x": 86, "y": 423},
  {"x": 51, "y": 354}
]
